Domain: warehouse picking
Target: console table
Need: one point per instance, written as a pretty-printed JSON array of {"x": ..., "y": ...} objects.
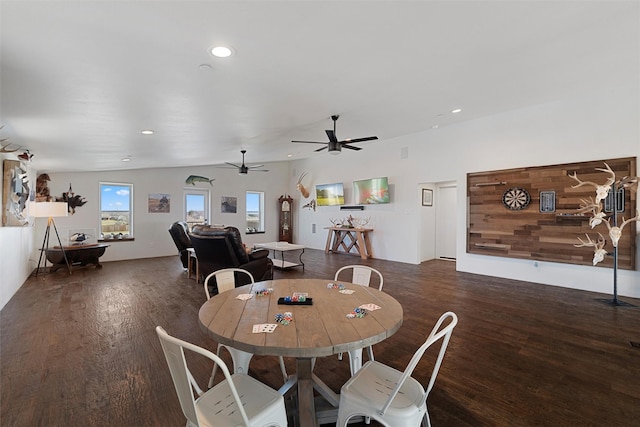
[
  {"x": 76, "y": 255},
  {"x": 346, "y": 238}
]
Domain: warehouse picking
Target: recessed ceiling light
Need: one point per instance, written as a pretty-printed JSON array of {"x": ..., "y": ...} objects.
[
  {"x": 457, "y": 110},
  {"x": 221, "y": 51},
  {"x": 147, "y": 132},
  {"x": 126, "y": 159},
  {"x": 289, "y": 155}
]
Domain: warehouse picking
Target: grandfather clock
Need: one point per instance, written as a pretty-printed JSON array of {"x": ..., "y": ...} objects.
[{"x": 285, "y": 223}]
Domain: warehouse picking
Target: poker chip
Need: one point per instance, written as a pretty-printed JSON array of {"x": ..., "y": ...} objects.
[
  {"x": 357, "y": 312},
  {"x": 284, "y": 318}
]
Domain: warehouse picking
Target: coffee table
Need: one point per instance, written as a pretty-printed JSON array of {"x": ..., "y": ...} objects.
[{"x": 283, "y": 247}]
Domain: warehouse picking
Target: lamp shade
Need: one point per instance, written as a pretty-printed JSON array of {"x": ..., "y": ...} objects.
[{"x": 49, "y": 209}]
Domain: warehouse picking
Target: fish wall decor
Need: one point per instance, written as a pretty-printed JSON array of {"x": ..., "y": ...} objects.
[{"x": 192, "y": 179}]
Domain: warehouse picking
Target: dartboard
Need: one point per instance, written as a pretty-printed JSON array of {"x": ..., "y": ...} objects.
[{"x": 516, "y": 198}]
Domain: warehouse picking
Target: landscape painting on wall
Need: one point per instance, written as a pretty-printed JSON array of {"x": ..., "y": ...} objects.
[
  {"x": 229, "y": 204},
  {"x": 330, "y": 194},
  {"x": 371, "y": 191},
  {"x": 159, "y": 203}
]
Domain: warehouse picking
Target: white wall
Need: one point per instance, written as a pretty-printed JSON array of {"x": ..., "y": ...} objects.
[
  {"x": 151, "y": 234},
  {"x": 16, "y": 247},
  {"x": 596, "y": 126}
]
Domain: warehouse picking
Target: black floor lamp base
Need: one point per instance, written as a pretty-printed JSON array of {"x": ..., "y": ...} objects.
[{"x": 615, "y": 302}]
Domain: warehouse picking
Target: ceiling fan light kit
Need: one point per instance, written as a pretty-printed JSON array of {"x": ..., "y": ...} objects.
[{"x": 334, "y": 146}]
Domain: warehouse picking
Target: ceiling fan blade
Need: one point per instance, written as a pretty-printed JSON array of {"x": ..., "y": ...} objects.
[
  {"x": 255, "y": 166},
  {"x": 310, "y": 142},
  {"x": 231, "y": 164},
  {"x": 350, "y": 147},
  {"x": 320, "y": 149},
  {"x": 332, "y": 135},
  {"x": 351, "y": 141},
  {"x": 259, "y": 170}
]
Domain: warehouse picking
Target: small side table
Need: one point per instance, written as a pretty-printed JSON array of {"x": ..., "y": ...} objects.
[{"x": 191, "y": 259}]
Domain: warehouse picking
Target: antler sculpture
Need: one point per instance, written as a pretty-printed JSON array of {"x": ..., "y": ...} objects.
[
  {"x": 360, "y": 222},
  {"x": 599, "y": 252},
  {"x": 595, "y": 209},
  {"x": 615, "y": 232},
  {"x": 601, "y": 190},
  {"x": 3, "y": 148}
]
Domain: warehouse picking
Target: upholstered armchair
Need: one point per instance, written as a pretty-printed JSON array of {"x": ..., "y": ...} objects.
[
  {"x": 218, "y": 248},
  {"x": 179, "y": 231}
]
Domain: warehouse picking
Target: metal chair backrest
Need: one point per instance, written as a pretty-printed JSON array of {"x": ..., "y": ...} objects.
[
  {"x": 361, "y": 275},
  {"x": 225, "y": 279},
  {"x": 436, "y": 334},
  {"x": 184, "y": 382}
]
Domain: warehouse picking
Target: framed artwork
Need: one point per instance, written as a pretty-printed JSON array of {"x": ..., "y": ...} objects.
[
  {"x": 548, "y": 201},
  {"x": 159, "y": 203},
  {"x": 15, "y": 194},
  {"x": 229, "y": 204},
  {"x": 427, "y": 197}
]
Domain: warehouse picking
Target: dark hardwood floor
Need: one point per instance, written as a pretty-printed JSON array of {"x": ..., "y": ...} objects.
[{"x": 82, "y": 349}]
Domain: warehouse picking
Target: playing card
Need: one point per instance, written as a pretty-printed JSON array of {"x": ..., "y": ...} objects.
[
  {"x": 347, "y": 291},
  {"x": 244, "y": 297},
  {"x": 370, "y": 307},
  {"x": 264, "y": 327}
]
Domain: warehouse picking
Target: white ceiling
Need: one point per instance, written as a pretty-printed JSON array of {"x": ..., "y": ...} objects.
[{"x": 81, "y": 79}]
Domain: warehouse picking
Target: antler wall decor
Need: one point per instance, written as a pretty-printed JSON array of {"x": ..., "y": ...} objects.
[{"x": 594, "y": 205}]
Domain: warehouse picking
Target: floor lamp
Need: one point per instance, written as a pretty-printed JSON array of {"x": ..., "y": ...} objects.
[{"x": 50, "y": 210}]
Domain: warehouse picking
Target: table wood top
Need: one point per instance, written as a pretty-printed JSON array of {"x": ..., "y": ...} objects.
[
  {"x": 279, "y": 246},
  {"x": 317, "y": 330},
  {"x": 78, "y": 247},
  {"x": 361, "y": 229}
]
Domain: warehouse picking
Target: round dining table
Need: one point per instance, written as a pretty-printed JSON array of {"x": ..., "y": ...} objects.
[{"x": 322, "y": 325}]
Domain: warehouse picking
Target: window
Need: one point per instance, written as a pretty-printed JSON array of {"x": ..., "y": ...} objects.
[
  {"x": 196, "y": 206},
  {"x": 116, "y": 210},
  {"x": 255, "y": 212}
]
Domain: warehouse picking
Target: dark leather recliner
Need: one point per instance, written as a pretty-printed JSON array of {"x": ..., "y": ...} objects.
[
  {"x": 179, "y": 231},
  {"x": 218, "y": 248}
]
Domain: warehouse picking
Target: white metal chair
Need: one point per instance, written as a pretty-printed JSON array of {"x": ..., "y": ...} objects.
[
  {"x": 389, "y": 396},
  {"x": 237, "y": 400},
  {"x": 226, "y": 281},
  {"x": 361, "y": 275}
]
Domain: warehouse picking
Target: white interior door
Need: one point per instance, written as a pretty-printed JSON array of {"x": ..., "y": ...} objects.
[{"x": 446, "y": 213}]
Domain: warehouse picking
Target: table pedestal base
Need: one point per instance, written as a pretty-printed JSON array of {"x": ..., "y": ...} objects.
[{"x": 308, "y": 413}]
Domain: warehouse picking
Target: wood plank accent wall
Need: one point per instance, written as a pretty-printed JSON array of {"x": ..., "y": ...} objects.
[{"x": 546, "y": 236}]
